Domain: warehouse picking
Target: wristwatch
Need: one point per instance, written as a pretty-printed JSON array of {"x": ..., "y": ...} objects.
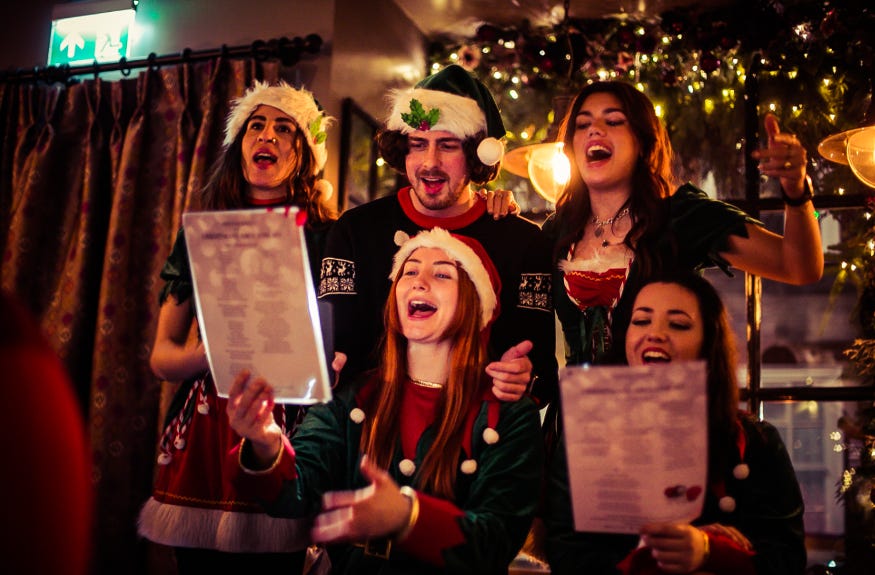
[{"x": 807, "y": 195}]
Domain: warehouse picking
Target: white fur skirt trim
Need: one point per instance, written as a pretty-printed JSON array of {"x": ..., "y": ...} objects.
[{"x": 230, "y": 531}]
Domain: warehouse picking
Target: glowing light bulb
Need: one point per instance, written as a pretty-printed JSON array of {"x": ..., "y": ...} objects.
[
  {"x": 549, "y": 170},
  {"x": 861, "y": 155}
]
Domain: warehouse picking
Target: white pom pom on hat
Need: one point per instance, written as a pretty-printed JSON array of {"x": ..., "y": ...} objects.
[{"x": 490, "y": 151}]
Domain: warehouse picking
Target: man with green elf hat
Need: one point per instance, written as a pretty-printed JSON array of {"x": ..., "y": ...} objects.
[{"x": 444, "y": 134}]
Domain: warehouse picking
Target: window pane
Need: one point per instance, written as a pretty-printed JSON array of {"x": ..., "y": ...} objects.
[
  {"x": 825, "y": 458},
  {"x": 804, "y": 330}
]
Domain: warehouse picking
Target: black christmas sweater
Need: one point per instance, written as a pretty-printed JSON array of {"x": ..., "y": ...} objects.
[{"x": 357, "y": 262}]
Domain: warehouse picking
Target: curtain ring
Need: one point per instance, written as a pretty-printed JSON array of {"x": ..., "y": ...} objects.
[{"x": 124, "y": 67}]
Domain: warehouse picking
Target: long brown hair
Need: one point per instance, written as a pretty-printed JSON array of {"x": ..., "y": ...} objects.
[
  {"x": 226, "y": 187},
  {"x": 652, "y": 179},
  {"x": 437, "y": 473}
]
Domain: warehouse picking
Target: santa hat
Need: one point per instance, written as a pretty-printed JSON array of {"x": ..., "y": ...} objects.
[
  {"x": 469, "y": 254},
  {"x": 297, "y": 103},
  {"x": 454, "y": 101}
]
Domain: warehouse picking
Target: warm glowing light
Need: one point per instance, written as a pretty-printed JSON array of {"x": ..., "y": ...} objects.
[
  {"x": 659, "y": 110},
  {"x": 708, "y": 105},
  {"x": 514, "y": 94},
  {"x": 549, "y": 170},
  {"x": 861, "y": 155}
]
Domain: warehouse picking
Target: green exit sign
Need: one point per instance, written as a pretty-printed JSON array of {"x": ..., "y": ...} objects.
[{"x": 96, "y": 37}]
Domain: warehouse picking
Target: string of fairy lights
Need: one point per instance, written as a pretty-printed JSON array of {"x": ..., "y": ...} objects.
[{"x": 815, "y": 64}]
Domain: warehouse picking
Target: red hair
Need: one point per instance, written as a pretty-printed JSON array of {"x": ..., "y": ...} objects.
[{"x": 437, "y": 474}]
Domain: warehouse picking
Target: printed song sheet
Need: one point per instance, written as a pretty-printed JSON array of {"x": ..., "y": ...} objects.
[
  {"x": 636, "y": 441},
  {"x": 255, "y": 300}
]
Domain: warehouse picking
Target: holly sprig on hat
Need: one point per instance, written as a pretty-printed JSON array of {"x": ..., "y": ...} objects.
[
  {"x": 418, "y": 118},
  {"x": 316, "y": 130}
]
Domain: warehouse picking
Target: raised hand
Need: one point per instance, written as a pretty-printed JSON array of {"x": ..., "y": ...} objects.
[
  {"x": 250, "y": 414},
  {"x": 783, "y": 158}
]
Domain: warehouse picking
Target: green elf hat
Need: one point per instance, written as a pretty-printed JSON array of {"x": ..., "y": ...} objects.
[
  {"x": 454, "y": 101},
  {"x": 297, "y": 103}
]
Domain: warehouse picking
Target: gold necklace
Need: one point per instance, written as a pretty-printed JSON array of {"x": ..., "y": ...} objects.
[
  {"x": 423, "y": 383},
  {"x": 600, "y": 224}
]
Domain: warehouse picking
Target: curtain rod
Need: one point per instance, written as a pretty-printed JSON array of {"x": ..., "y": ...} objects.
[{"x": 287, "y": 51}]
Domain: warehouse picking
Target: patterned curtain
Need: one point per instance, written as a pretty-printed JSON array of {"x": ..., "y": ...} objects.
[{"x": 93, "y": 181}]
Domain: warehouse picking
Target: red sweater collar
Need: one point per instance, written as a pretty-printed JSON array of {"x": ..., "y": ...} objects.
[{"x": 428, "y": 222}]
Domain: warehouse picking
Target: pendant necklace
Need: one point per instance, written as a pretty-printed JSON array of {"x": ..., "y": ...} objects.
[{"x": 600, "y": 224}]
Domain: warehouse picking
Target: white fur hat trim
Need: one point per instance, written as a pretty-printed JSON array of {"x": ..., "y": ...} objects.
[
  {"x": 459, "y": 115},
  {"x": 469, "y": 260},
  {"x": 299, "y": 104}
]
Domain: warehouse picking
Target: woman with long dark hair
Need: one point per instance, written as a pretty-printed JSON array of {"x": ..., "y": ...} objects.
[
  {"x": 273, "y": 153},
  {"x": 752, "y": 520},
  {"x": 622, "y": 217}
]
